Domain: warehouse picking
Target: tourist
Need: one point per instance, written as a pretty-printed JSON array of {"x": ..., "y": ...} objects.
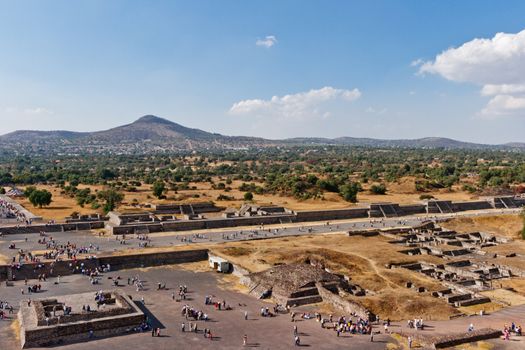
[
  {"x": 409, "y": 342},
  {"x": 245, "y": 315},
  {"x": 245, "y": 340}
]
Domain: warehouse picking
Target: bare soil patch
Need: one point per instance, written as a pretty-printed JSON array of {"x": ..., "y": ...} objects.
[{"x": 507, "y": 225}]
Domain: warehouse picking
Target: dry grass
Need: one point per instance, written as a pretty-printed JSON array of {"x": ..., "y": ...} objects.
[
  {"x": 402, "y": 191},
  {"x": 505, "y": 297},
  {"x": 480, "y": 345},
  {"x": 475, "y": 309},
  {"x": 517, "y": 284},
  {"x": 4, "y": 260},
  {"x": 363, "y": 259},
  {"x": 15, "y": 328},
  {"x": 504, "y": 225}
]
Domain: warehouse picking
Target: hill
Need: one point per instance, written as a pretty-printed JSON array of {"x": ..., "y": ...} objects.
[{"x": 153, "y": 134}]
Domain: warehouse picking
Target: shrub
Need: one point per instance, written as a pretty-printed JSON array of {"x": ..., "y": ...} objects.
[
  {"x": 378, "y": 189},
  {"x": 426, "y": 196}
]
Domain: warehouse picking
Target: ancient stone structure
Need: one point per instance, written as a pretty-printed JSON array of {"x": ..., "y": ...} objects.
[
  {"x": 251, "y": 215},
  {"x": 46, "y": 322},
  {"x": 301, "y": 284},
  {"x": 64, "y": 268},
  {"x": 466, "y": 269},
  {"x": 162, "y": 218}
]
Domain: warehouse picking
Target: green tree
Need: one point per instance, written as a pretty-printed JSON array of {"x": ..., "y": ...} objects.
[
  {"x": 40, "y": 198},
  {"x": 349, "y": 191},
  {"x": 112, "y": 198},
  {"x": 378, "y": 189},
  {"x": 158, "y": 189},
  {"x": 29, "y": 190},
  {"x": 248, "y": 196}
]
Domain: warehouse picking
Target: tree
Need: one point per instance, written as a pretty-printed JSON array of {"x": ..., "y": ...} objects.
[
  {"x": 107, "y": 174},
  {"x": 112, "y": 198},
  {"x": 40, "y": 198},
  {"x": 378, "y": 189},
  {"x": 349, "y": 191},
  {"x": 248, "y": 196},
  {"x": 158, "y": 189},
  {"x": 29, "y": 190}
]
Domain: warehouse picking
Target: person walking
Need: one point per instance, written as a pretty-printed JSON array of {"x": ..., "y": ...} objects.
[{"x": 244, "y": 340}]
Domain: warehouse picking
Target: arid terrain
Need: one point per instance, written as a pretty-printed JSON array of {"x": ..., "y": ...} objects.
[{"x": 402, "y": 191}]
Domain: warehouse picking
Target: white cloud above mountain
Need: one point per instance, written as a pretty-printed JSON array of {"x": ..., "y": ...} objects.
[
  {"x": 302, "y": 105},
  {"x": 497, "y": 65}
]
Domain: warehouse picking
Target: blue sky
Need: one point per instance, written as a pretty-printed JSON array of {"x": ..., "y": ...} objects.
[{"x": 268, "y": 68}]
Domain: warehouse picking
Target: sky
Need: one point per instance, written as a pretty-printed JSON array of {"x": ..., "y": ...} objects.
[{"x": 287, "y": 68}]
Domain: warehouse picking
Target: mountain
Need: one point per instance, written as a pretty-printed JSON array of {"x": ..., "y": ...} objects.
[
  {"x": 34, "y": 135},
  {"x": 150, "y": 127},
  {"x": 153, "y": 134}
]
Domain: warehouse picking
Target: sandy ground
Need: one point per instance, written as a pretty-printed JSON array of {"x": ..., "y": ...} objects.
[
  {"x": 503, "y": 225},
  {"x": 398, "y": 192},
  {"x": 354, "y": 257}
]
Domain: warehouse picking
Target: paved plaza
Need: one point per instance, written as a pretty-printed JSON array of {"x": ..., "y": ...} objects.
[{"x": 227, "y": 326}]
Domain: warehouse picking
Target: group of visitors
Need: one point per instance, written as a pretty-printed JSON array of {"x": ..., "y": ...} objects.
[
  {"x": 513, "y": 328},
  {"x": 416, "y": 323},
  {"x": 10, "y": 211},
  {"x": 5, "y": 306}
]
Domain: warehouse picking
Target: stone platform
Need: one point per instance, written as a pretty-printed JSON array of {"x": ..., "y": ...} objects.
[{"x": 53, "y": 321}]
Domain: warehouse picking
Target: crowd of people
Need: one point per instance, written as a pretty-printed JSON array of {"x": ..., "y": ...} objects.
[{"x": 10, "y": 211}]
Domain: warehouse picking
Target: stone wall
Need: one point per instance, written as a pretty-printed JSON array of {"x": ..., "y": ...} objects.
[
  {"x": 334, "y": 214},
  {"x": 63, "y": 268},
  {"x": 347, "y": 306},
  {"x": 474, "y": 205},
  {"x": 38, "y": 336},
  {"x": 91, "y": 225},
  {"x": 412, "y": 209}
]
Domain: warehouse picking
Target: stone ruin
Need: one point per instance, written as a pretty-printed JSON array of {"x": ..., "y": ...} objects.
[
  {"x": 464, "y": 278},
  {"x": 53, "y": 321},
  {"x": 300, "y": 284}
]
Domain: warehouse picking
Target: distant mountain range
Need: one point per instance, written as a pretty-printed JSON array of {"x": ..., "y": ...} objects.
[{"x": 151, "y": 133}]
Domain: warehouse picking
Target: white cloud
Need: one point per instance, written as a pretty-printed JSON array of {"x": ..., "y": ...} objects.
[
  {"x": 417, "y": 63},
  {"x": 301, "y": 105},
  {"x": 28, "y": 111},
  {"x": 500, "y": 60},
  {"x": 491, "y": 89},
  {"x": 496, "y": 64},
  {"x": 268, "y": 41},
  {"x": 503, "y": 105},
  {"x": 38, "y": 111}
]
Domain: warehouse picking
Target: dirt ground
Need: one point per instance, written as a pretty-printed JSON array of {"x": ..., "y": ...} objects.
[
  {"x": 502, "y": 225},
  {"x": 402, "y": 191},
  {"x": 351, "y": 256}
]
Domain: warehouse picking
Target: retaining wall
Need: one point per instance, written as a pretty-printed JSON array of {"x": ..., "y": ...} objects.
[
  {"x": 345, "y": 305},
  {"x": 64, "y": 268}
]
